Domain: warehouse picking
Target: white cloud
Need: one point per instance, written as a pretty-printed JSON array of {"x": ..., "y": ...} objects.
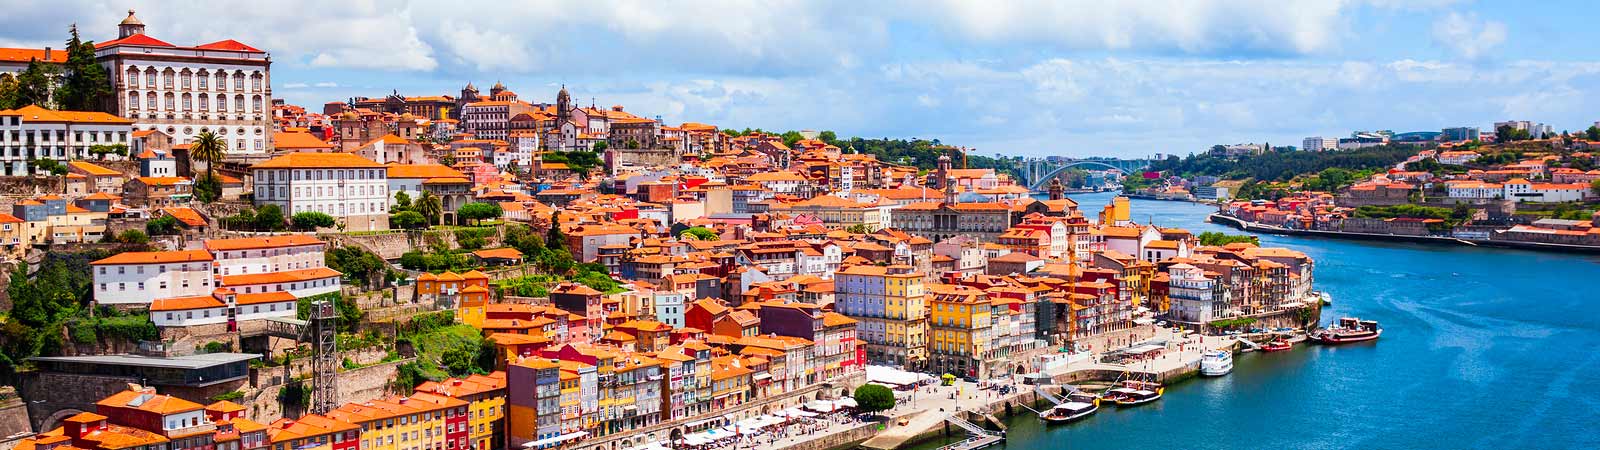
[
  {"x": 326, "y": 84},
  {"x": 1185, "y": 26},
  {"x": 487, "y": 50},
  {"x": 1468, "y": 35},
  {"x": 928, "y": 101}
]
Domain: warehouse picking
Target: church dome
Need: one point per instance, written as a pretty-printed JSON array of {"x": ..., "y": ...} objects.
[
  {"x": 498, "y": 86},
  {"x": 131, "y": 20}
]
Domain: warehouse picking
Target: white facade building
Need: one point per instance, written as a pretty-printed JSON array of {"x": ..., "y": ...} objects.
[
  {"x": 223, "y": 87},
  {"x": 135, "y": 278},
  {"x": 1318, "y": 143},
  {"x": 350, "y": 188},
  {"x": 31, "y": 132},
  {"x": 266, "y": 254}
]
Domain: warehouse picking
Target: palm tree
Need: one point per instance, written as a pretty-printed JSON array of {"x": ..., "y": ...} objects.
[
  {"x": 428, "y": 206},
  {"x": 209, "y": 148}
]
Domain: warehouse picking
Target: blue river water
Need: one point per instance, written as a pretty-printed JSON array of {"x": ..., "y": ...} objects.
[{"x": 1482, "y": 349}]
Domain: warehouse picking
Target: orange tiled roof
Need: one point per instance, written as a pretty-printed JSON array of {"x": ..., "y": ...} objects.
[
  {"x": 280, "y": 277},
  {"x": 317, "y": 160},
  {"x": 177, "y": 256}
]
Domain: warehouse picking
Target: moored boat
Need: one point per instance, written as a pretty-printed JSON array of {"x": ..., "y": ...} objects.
[
  {"x": 1349, "y": 329},
  {"x": 1277, "y": 346},
  {"x": 1072, "y": 410},
  {"x": 1217, "y": 363},
  {"x": 1131, "y": 392}
]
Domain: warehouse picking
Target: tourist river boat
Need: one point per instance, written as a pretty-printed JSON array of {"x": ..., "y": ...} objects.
[
  {"x": 1277, "y": 346},
  {"x": 1349, "y": 329},
  {"x": 1077, "y": 407},
  {"x": 1134, "y": 391},
  {"x": 1216, "y": 363}
]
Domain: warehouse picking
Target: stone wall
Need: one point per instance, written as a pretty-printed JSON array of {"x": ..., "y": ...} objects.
[
  {"x": 48, "y": 403},
  {"x": 13, "y": 415},
  {"x": 844, "y": 439}
]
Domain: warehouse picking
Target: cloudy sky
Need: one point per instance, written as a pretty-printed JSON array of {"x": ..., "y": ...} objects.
[{"x": 1121, "y": 78}]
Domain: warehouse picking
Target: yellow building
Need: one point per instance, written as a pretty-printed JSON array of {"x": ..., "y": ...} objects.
[
  {"x": 960, "y": 322},
  {"x": 486, "y": 406},
  {"x": 421, "y": 421}
]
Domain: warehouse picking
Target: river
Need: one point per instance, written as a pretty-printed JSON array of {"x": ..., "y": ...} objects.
[{"x": 1482, "y": 348}]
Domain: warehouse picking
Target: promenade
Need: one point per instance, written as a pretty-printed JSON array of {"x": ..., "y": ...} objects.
[{"x": 925, "y": 412}]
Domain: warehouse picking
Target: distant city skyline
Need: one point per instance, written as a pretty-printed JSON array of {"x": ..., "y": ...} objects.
[{"x": 1017, "y": 78}]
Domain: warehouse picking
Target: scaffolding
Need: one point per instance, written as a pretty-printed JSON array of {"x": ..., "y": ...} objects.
[{"x": 320, "y": 332}]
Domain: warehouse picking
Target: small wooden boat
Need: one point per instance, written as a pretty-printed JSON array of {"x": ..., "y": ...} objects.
[
  {"x": 1277, "y": 346},
  {"x": 1072, "y": 410},
  {"x": 1349, "y": 329}
]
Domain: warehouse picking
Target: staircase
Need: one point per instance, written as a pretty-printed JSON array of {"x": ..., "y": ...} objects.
[{"x": 977, "y": 437}]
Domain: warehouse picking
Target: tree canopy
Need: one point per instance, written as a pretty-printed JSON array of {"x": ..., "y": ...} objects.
[
  {"x": 478, "y": 211},
  {"x": 311, "y": 220},
  {"x": 872, "y": 398}
]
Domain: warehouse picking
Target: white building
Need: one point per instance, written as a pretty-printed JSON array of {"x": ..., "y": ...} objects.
[
  {"x": 1193, "y": 297},
  {"x": 1473, "y": 189},
  {"x": 224, "y": 87},
  {"x": 301, "y": 283},
  {"x": 259, "y": 255},
  {"x": 669, "y": 308},
  {"x": 1318, "y": 143},
  {"x": 350, "y": 188},
  {"x": 135, "y": 278},
  {"x": 215, "y": 308},
  {"x": 31, "y": 132},
  {"x": 1524, "y": 191}
]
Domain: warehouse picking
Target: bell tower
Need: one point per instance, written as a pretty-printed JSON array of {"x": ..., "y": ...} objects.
[{"x": 129, "y": 26}]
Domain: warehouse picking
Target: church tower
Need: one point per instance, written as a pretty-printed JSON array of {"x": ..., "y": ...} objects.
[
  {"x": 129, "y": 26},
  {"x": 563, "y": 106},
  {"x": 1056, "y": 188},
  {"x": 943, "y": 176}
]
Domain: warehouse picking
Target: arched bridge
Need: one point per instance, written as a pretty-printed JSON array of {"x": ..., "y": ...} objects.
[{"x": 1039, "y": 172}]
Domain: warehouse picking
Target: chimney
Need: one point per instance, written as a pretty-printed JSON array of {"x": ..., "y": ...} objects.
[{"x": 47, "y": 54}]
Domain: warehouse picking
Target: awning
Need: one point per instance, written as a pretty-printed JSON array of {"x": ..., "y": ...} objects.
[
  {"x": 820, "y": 406},
  {"x": 797, "y": 412},
  {"x": 846, "y": 402},
  {"x": 555, "y": 439}
]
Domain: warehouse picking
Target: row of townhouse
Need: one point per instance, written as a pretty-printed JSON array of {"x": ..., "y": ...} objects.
[{"x": 225, "y": 281}]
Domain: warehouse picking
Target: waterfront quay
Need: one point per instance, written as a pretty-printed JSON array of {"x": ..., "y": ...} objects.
[
  {"x": 923, "y": 415},
  {"x": 1504, "y": 242}
]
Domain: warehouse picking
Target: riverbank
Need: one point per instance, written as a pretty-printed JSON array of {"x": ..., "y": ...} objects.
[
  {"x": 924, "y": 414},
  {"x": 1436, "y": 240}
]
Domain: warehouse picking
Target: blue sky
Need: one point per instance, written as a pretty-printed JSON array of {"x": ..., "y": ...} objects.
[{"x": 1067, "y": 77}]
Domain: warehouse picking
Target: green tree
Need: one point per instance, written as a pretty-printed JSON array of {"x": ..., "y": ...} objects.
[
  {"x": 430, "y": 207},
  {"x": 791, "y": 137},
  {"x": 829, "y": 137},
  {"x": 1593, "y": 133},
  {"x": 478, "y": 211},
  {"x": 245, "y": 219},
  {"x": 311, "y": 220},
  {"x": 162, "y": 226},
  {"x": 86, "y": 82},
  {"x": 555, "y": 239},
  {"x": 631, "y": 144},
  {"x": 872, "y": 398},
  {"x": 408, "y": 220},
  {"x": 208, "y": 188},
  {"x": 269, "y": 218},
  {"x": 8, "y": 92},
  {"x": 209, "y": 148},
  {"x": 133, "y": 237},
  {"x": 859, "y": 228},
  {"x": 402, "y": 201},
  {"x": 699, "y": 233},
  {"x": 1213, "y": 238},
  {"x": 1594, "y": 186},
  {"x": 600, "y": 147},
  {"x": 33, "y": 85}
]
